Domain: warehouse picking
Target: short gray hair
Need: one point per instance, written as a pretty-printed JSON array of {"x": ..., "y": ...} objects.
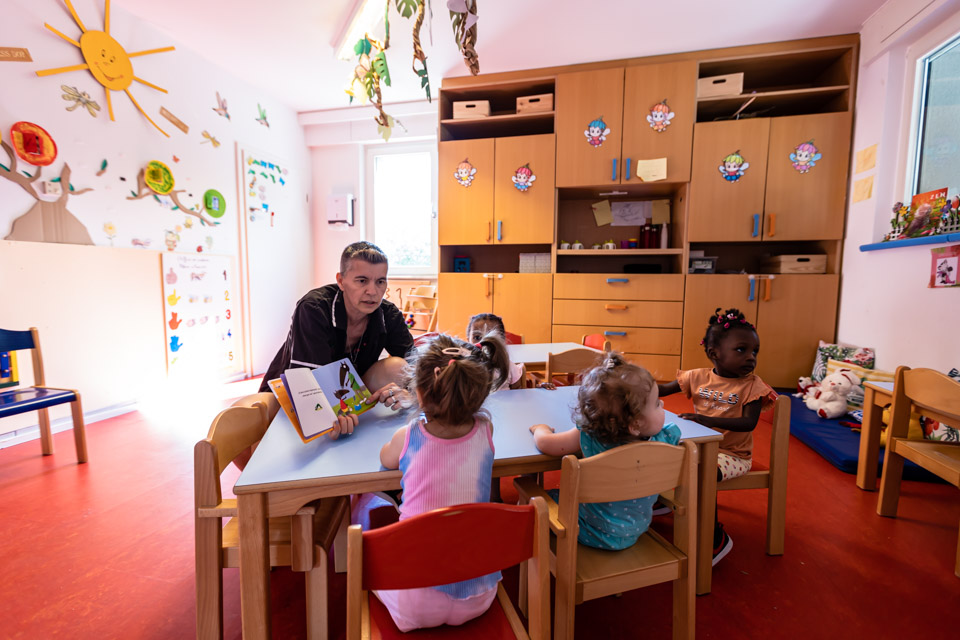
[{"x": 366, "y": 251}]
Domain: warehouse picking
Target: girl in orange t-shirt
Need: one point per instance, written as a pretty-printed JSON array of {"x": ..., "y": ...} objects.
[{"x": 728, "y": 398}]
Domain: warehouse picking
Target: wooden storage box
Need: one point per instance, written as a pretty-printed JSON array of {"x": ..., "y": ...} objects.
[
  {"x": 471, "y": 109},
  {"x": 534, "y": 104},
  {"x": 810, "y": 263},
  {"x": 730, "y": 84}
]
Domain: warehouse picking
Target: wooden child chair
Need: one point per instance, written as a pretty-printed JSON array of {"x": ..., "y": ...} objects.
[
  {"x": 300, "y": 541},
  {"x": 39, "y": 397},
  {"x": 623, "y": 473},
  {"x": 773, "y": 479},
  {"x": 513, "y": 338},
  {"x": 564, "y": 367},
  {"x": 449, "y": 545},
  {"x": 935, "y": 396},
  {"x": 595, "y": 341}
]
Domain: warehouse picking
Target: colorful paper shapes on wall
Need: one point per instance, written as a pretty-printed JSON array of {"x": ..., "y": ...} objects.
[
  {"x": 106, "y": 60},
  {"x": 33, "y": 144},
  {"x": 465, "y": 173},
  {"x": 175, "y": 344},
  {"x": 805, "y": 156},
  {"x": 221, "y": 107},
  {"x": 79, "y": 99},
  {"x": 214, "y": 203},
  {"x": 211, "y": 139},
  {"x": 733, "y": 166},
  {"x": 262, "y": 118},
  {"x": 158, "y": 177}
]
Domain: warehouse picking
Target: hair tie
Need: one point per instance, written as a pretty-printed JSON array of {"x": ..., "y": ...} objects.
[
  {"x": 451, "y": 361},
  {"x": 456, "y": 351}
]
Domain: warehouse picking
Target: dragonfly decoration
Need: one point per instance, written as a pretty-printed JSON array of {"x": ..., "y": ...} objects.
[
  {"x": 211, "y": 139},
  {"x": 80, "y": 99}
]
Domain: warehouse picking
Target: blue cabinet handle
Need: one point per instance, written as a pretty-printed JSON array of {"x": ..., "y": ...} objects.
[
  {"x": 627, "y": 174},
  {"x": 756, "y": 225},
  {"x": 611, "y": 280},
  {"x": 753, "y": 289},
  {"x": 613, "y": 175},
  {"x": 499, "y": 230},
  {"x": 614, "y": 333}
]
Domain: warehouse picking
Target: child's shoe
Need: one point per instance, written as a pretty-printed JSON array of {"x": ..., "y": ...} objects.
[
  {"x": 660, "y": 509},
  {"x": 722, "y": 543}
]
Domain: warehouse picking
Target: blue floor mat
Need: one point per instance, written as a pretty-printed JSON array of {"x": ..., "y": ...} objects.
[{"x": 839, "y": 445}]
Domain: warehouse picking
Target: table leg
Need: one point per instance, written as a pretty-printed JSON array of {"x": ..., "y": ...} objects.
[
  {"x": 254, "y": 566},
  {"x": 869, "y": 441},
  {"x": 706, "y": 507}
]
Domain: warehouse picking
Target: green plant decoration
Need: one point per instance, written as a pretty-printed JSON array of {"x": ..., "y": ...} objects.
[{"x": 463, "y": 19}]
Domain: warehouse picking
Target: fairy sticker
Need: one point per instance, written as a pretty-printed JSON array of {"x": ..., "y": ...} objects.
[
  {"x": 805, "y": 157},
  {"x": 733, "y": 167},
  {"x": 660, "y": 116},
  {"x": 523, "y": 178},
  {"x": 596, "y": 132},
  {"x": 465, "y": 173}
]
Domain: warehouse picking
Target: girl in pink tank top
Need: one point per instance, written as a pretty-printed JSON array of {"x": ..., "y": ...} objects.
[{"x": 446, "y": 456}]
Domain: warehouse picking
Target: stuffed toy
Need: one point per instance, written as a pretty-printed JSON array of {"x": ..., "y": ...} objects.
[
  {"x": 805, "y": 387},
  {"x": 830, "y": 400}
]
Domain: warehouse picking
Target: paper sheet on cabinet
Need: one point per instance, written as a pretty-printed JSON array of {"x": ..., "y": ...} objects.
[
  {"x": 661, "y": 211},
  {"x": 630, "y": 214},
  {"x": 601, "y": 211},
  {"x": 866, "y": 158},
  {"x": 652, "y": 170}
]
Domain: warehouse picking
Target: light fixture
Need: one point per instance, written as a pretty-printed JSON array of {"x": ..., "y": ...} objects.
[{"x": 364, "y": 17}]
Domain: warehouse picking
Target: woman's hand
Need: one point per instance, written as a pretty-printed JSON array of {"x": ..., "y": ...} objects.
[
  {"x": 344, "y": 425},
  {"x": 547, "y": 385},
  {"x": 392, "y": 396}
]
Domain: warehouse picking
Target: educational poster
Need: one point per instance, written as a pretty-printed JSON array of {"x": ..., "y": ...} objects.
[
  {"x": 198, "y": 315},
  {"x": 944, "y": 267},
  {"x": 266, "y": 180}
]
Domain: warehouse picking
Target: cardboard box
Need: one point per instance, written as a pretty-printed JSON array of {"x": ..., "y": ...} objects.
[
  {"x": 534, "y": 263},
  {"x": 471, "y": 109},
  {"x": 534, "y": 104},
  {"x": 730, "y": 84},
  {"x": 803, "y": 263}
]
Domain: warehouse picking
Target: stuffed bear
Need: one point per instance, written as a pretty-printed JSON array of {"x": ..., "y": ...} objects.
[
  {"x": 830, "y": 400},
  {"x": 805, "y": 387}
]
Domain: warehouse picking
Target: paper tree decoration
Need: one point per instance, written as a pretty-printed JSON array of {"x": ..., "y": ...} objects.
[{"x": 106, "y": 60}]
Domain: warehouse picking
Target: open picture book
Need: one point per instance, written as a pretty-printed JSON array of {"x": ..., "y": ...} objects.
[{"x": 313, "y": 398}]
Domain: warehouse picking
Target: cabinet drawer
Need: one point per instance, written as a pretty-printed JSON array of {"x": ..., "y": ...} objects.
[
  {"x": 618, "y": 286},
  {"x": 619, "y": 313},
  {"x": 663, "y": 368},
  {"x": 624, "y": 339}
]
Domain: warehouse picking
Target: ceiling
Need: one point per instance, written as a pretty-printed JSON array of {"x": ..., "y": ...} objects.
[{"x": 284, "y": 46}]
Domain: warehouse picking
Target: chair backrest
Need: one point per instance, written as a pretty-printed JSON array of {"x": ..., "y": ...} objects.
[
  {"x": 626, "y": 472},
  {"x": 570, "y": 362},
  {"x": 930, "y": 393},
  {"x": 424, "y": 337},
  {"x": 233, "y": 431},
  {"x": 596, "y": 341},
  {"x": 513, "y": 338},
  {"x": 265, "y": 398},
  {"x": 19, "y": 340}
]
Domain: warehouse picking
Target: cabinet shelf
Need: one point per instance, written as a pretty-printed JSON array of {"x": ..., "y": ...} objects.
[
  {"x": 498, "y": 125},
  {"x": 775, "y": 103},
  {"x": 619, "y": 252}
]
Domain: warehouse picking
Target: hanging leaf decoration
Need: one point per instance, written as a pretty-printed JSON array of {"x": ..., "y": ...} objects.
[
  {"x": 463, "y": 19},
  {"x": 407, "y": 8},
  {"x": 418, "y": 54},
  {"x": 380, "y": 67}
]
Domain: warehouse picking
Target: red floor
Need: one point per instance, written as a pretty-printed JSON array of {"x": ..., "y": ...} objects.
[{"x": 105, "y": 550}]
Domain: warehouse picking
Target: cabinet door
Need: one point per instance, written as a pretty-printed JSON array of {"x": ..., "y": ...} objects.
[
  {"x": 728, "y": 206},
  {"x": 523, "y": 301},
  {"x": 460, "y": 296},
  {"x": 655, "y": 91},
  {"x": 523, "y": 210},
  {"x": 706, "y": 292},
  {"x": 795, "y": 312},
  {"x": 589, "y": 103},
  {"x": 466, "y": 192},
  {"x": 806, "y": 198}
]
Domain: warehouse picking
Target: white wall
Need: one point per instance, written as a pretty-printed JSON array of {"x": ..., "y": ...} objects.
[
  {"x": 885, "y": 302},
  {"x": 67, "y": 291}
]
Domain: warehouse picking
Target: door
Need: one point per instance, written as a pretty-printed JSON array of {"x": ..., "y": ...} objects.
[
  {"x": 651, "y": 94},
  {"x": 704, "y": 294},
  {"x": 795, "y": 312},
  {"x": 523, "y": 300},
  {"x": 806, "y": 193},
  {"x": 728, "y": 175},
  {"x": 524, "y": 210},
  {"x": 466, "y": 192},
  {"x": 588, "y": 104},
  {"x": 459, "y": 297}
]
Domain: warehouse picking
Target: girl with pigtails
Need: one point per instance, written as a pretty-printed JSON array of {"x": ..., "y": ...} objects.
[{"x": 446, "y": 456}]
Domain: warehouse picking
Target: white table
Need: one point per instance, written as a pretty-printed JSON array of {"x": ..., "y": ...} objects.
[
  {"x": 534, "y": 354},
  {"x": 285, "y": 473}
]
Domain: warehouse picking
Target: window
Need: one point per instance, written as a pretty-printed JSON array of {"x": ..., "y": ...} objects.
[
  {"x": 936, "y": 120},
  {"x": 401, "y": 205}
]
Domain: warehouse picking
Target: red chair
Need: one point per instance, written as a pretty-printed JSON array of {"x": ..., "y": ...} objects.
[
  {"x": 596, "y": 341},
  {"x": 424, "y": 337},
  {"x": 513, "y": 338},
  {"x": 450, "y": 545}
]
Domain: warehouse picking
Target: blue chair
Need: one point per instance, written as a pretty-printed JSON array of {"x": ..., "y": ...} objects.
[{"x": 39, "y": 397}]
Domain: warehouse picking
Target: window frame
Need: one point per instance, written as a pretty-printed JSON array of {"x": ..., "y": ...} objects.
[{"x": 369, "y": 215}]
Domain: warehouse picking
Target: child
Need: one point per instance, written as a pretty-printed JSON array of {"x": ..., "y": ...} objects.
[
  {"x": 446, "y": 456},
  {"x": 618, "y": 403},
  {"x": 484, "y": 323},
  {"x": 729, "y": 398}
]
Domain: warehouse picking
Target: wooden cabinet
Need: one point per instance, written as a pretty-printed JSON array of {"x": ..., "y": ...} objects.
[
  {"x": 777, "y": 197},
  {"x": 521, "y": 299},
  {"x": 478, "y": 200},
  {"x": 590, "y": 102},
  {"x": 791, "y": 313}
]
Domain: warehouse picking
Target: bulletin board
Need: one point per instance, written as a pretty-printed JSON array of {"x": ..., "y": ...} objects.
[{"x": 198, "y": 315}]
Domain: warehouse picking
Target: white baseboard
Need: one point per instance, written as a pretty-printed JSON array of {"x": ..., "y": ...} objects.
[{"x": 65, "y": 423}]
